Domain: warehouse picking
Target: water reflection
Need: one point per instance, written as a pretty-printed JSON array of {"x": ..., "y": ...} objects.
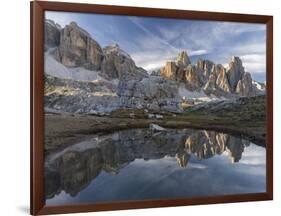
[{"x": 72, "y": 175}]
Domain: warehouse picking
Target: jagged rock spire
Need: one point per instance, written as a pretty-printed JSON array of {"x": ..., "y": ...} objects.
[{"x": 183, "y": 59}]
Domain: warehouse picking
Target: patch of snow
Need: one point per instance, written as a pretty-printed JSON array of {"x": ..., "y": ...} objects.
[
  {"x": 56, "y": 69},
  {"x": 156, "y": 127},
  {"x": 157, "y": 116},
  {"x": 83, "y": 74},
  {"x": 258, "y": 85},
  {"x": 50, "y": 110},
  {"x": 185, "y": 94}
]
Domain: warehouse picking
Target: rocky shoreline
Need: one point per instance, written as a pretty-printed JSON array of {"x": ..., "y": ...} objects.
[{"x": 66, "y": 129}]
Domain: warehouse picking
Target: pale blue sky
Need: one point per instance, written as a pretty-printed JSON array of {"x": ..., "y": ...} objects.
[{"x": 152, "y": 41}]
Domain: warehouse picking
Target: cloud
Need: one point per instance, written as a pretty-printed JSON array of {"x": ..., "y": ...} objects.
[
  {"x": 197, "y": 52},
  {"x": 62, "y": 18},
  {"x": 153, "y": 36},
  {"x": 254, "y": 63},
  {"x": 152, "y": 41},
  {"x": 254, "y": 48},
  {"x": 153, "y": 60}
]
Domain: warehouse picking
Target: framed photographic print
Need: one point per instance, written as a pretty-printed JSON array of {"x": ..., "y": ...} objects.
[{"x": 140, "y": 107}]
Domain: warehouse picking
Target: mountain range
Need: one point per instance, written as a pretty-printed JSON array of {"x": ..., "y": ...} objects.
[{"x": 83, "y": 77}]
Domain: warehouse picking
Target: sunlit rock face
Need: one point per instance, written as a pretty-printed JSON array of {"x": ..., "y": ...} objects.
[
  {"x": 245, "y": 87},
  {"x": 170, "y": 71},
  {"x": 74, "y": 167},
  {"x": 205, "y": 66},
  {"x": 212, "y": 78},
  {"x": 222, "y": 80},
  {"x": 183, "y": 60}
]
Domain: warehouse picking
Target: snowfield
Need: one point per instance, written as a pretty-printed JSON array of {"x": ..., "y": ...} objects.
[
  {"x": 54, "y": 68},
  {"x": 185, "y": 94}
]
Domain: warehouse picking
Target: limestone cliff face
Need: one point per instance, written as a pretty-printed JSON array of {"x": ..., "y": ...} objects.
[
  {"x": 170, "y": 70},
  {"x": 222, "y": 79},
  {"x": 183, "y": 60},
  {"x": 52, "y": 34},
  {"x": 235, "y": 72},
  {"x": 78, "y": 49},
  {"x": 210, "y": 77},
  {"x": 182, "y": 71},
  {"x": 244, "y": 86},
  {"x": 204, "y": 68},
  {"x": 117, "y": 64},
  {"x": 192, "y": 78}
]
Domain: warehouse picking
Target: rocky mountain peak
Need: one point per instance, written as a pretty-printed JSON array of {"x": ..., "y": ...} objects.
[
  {"x": 235, "y": 71},
  {"x": 77, "y": 48},
  {"x": 117, "y": 64},
  {"x": 115, "y": 48},
  {"x": 210, "y": 77},
  {"x": 52, "y": 23},
  {"x": 52, "y": 34},
  {"x": 73, "y": 24},
  {"x": 183, "y": 59},
  {"x": 236, "y": 60},
  {"x": 74, "y": 47}
]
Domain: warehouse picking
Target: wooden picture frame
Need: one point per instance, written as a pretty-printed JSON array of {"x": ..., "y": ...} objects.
[{"x": 37, "y": 105}]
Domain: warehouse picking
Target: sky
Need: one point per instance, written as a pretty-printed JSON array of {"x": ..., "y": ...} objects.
[{"x": 153, "y": 41}]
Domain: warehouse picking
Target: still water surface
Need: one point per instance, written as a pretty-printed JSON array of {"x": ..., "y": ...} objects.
[{"x": 140, "y": 164}]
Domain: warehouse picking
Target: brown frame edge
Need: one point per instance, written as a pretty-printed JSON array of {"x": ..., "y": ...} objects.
[{"x": 37, "y": 9}]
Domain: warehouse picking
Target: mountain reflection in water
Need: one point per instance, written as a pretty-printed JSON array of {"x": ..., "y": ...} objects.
[{"x": 140, "y": 164}]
